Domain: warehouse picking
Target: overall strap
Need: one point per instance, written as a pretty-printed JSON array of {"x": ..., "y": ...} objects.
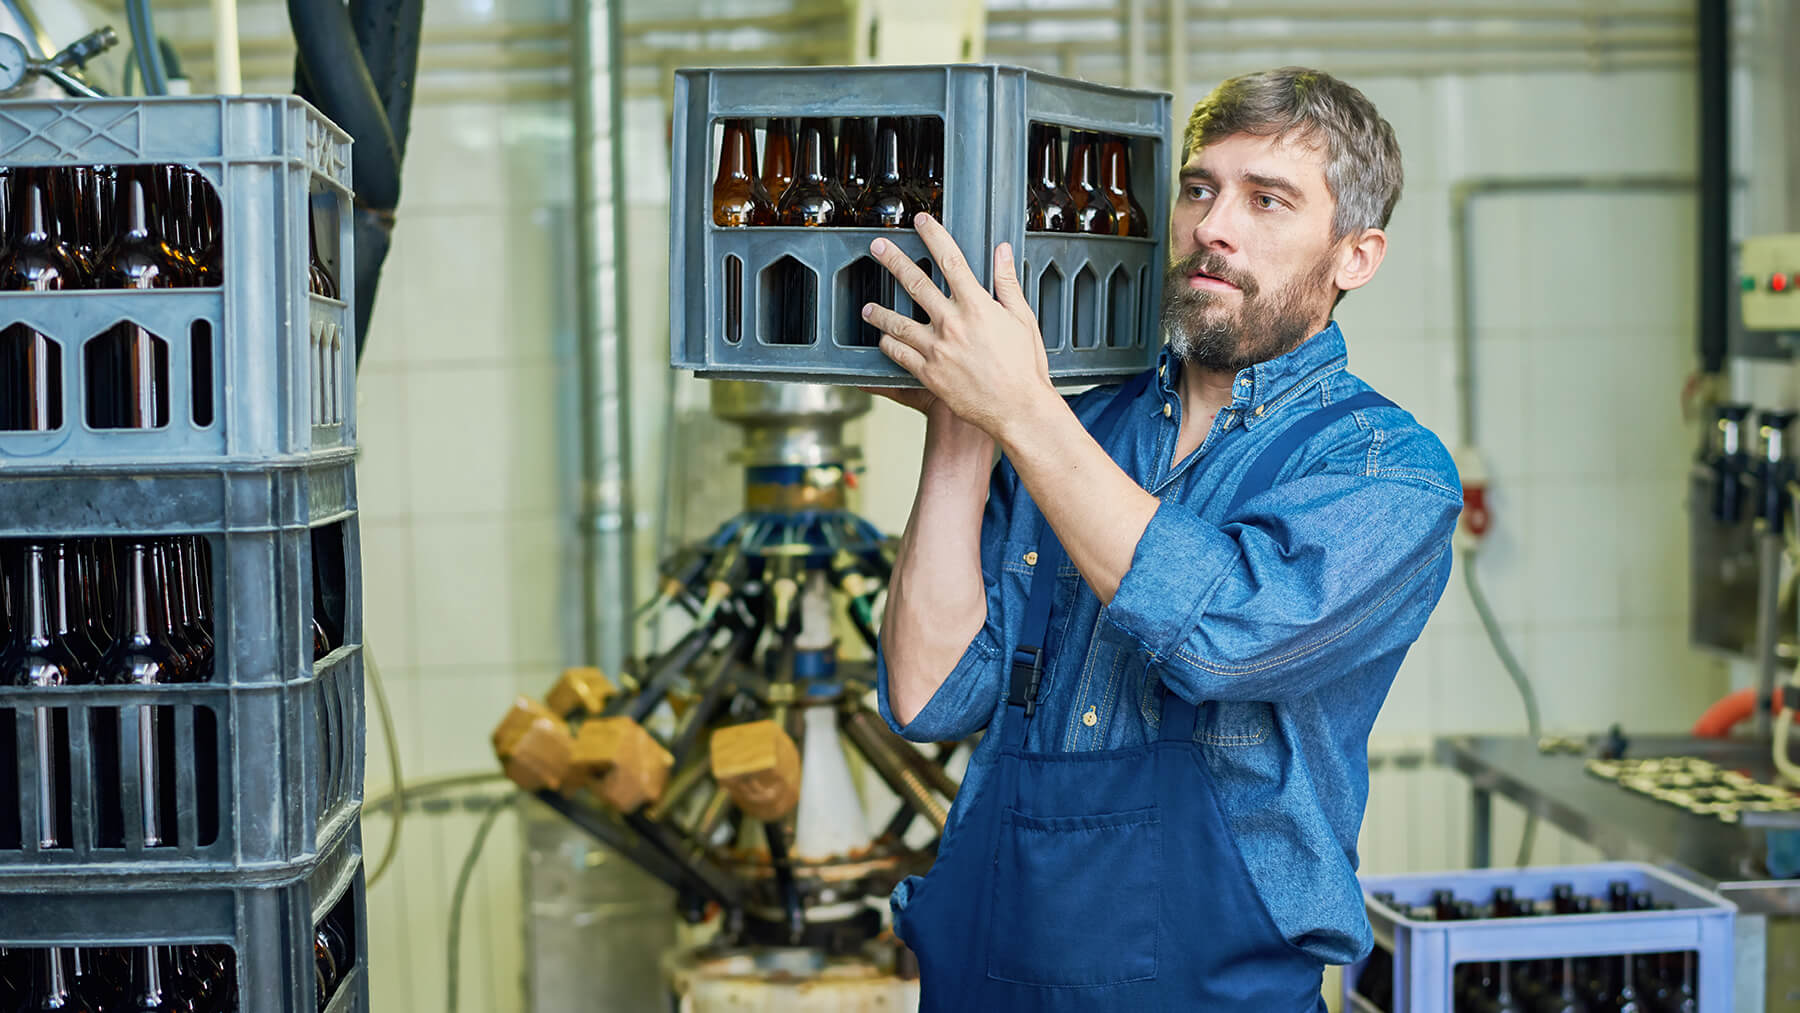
[
  {"x": 1268, "y": 464},
  {"x": 1028, "y": 657}
]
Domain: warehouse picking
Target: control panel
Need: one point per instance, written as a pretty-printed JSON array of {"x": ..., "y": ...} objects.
[{"x": 1769, "y": 277}]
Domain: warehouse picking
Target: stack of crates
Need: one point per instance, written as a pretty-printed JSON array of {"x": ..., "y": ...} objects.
[
  {"x": 1680, "y": 943},
  {"x": 1097, "y": 297},
  {"x": 258, "y": 784}
]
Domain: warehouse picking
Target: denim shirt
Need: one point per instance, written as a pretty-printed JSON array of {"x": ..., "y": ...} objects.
[{"x": 1286, "y": 621}]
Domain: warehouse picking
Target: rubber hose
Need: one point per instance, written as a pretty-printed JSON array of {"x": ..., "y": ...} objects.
[
  {"x": 338, "y": 82},
  {"x": 143, "y": 43}
]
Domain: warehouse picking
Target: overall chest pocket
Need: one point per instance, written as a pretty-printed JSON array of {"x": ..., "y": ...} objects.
[{"x": 1076, "y": 899}]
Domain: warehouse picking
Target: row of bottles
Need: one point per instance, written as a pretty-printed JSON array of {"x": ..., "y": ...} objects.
[
  {"x": 1623, "y": 983},
  {"x": 1089, "y": 194},
  {"x": 137, "y": 979},
  {"x": 110, "y": 611},
  {"x": 869, "y": 172}
]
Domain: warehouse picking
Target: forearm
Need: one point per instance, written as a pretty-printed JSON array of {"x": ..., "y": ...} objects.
[
  {"x": 1098, "y": 512},
  {"x": 936, "y": 603}
]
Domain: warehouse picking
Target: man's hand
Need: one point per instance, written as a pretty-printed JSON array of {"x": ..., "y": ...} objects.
[{"x": 981, "y": 356}]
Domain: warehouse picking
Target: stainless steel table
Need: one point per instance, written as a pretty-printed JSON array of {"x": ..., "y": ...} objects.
[{"x": 1623, "y": 824}]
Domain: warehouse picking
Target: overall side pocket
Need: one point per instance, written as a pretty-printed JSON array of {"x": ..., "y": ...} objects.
[{"x": 1076, "y": 899}]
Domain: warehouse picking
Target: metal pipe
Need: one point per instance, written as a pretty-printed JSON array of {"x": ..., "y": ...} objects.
[
  {"x": 1464, "y": 194},
  {"x": 1135, "y": 74},
  {"x": 228, "y": 72},
  {"x": 1365, "y": 12},
  {"x": 1176, "y": 38},
  {"x": 606, "y": 522},
  {"x": 1714, "y": 257}
]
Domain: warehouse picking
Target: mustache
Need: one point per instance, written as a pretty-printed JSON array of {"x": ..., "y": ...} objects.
[{"x": 1213, "y": 263}]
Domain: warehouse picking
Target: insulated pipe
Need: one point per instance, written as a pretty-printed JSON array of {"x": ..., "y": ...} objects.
[
  {"x": 606, "y": 521},
  {"x": 334, "y": 73},
  {"x": 1714, "y": 258}
]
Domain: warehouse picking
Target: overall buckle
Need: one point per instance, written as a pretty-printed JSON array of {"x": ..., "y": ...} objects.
[{"x": 1027, "y": 672}]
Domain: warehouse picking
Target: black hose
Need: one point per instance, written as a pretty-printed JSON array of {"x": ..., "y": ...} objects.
[
  {"x": 388, "y": 33},
  {"x": 145, "y": 48},
  {"x": 338, "y": 82},
  {"x": 1713, "y": 24}
]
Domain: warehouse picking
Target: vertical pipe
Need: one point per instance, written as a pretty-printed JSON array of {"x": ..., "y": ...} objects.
[
  {"x": 1135, "y": 76},
  {"x": 228, "y": 73},
  {"x": 1175, "y": 37},
  {"x": 606, "y": 524},
  {"x": 1712, "y": 21}
]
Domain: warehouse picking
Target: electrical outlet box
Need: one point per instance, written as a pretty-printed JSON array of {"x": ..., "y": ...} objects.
[{"x": 1769, "y": 281}]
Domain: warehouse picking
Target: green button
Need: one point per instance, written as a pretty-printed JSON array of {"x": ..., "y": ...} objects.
[{"x": 1748, "y": 283}]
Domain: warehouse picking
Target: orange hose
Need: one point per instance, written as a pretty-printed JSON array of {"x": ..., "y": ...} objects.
[{"x": 1732, "y": 708}]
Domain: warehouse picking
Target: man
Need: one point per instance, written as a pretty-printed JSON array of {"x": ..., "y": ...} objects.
[{"x": 1163, "y": 813}]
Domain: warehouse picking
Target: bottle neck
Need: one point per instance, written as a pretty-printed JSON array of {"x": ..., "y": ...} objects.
[
  {"x": 1081, "y": 164},
  {"x": 931, "y": 150},
  {"x": 778, "y": 160},
  {"x": 30, "y": 207},
  {"x": 53, "y": 977},
  {"x": 67, "y": 609},
  {"x": 132, "y": 208},
  {"x": 1115, "y": 172},
  {"x": 144, "y": 618},
  {"x": 737, "y": 155},
  {"x": 889, "y": 166},
  {"x": 146, "y": 979},
  {"x": 1046, "y": 160},
  {"x": 38, "y": 609},
  {"x": 812, "y": 168}
]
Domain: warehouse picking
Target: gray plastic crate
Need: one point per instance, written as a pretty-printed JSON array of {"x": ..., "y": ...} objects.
[
  {"x": 1097, "y": 297},
  {"x": 254, "y": 778},
  {"x": 259, "y": 523},
  {"x": 269, "y": 923},
  {"x": 282, "y": 361}
]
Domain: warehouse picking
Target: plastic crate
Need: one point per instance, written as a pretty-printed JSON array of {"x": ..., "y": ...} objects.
[
  {"x": 281, "y": 362},
  {"x": 269, "y": 923},
  {"x": 253, "y": 778},
  {"x": 1425, "y": 953},
  {"x": 1097, "y": 297},
  {"x": 259, "y": 523}
]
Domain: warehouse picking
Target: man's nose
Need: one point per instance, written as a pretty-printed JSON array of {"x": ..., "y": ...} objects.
[{"x": 1217, "y": 229}]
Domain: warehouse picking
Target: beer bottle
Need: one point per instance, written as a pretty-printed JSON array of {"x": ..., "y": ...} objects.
[
  {"x": 202, "y": 204},
  {"x": 778, "y": 158},
  {"x": 814, "y": 198},
  {"x": 184, "y": 604},
  {"x": 856, "y": 150},
  {"x": 35, "y": 259},
  {"x": 44, "y": 653},
  {"x": 72, "y": 623},
  {"x": 890, "y": 200},
  {"x": 53, "y": 988},
  {"x": 1567, "y": 997},
  {"x": 152, "y": 990},
  {"x": 1093, "y": 212},
  {"x": 128, "y": 368},
  {"x": 146, "y": 652},
  {"x": 1048, "y": 207},
  {"x": 928, "y": 161},
  {"x": 83, "y": 196},
  {"x": 1115, "y": 181},
  {"x": 739, "y": 197},
  {"x": 326, "y": 966}
]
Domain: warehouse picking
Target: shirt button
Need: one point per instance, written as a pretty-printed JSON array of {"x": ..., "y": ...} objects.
[
  {"x": 1259, "y": 409},
  {"x": 1031, "y": 559},
  {"x": 1090, "y": 718},
  {"x": 1167, "y": 411}
]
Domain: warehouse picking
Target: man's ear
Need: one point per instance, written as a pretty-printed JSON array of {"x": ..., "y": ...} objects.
[{"x": 1362, "y": 255}]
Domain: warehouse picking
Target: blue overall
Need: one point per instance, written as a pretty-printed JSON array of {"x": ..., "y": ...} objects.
[{"x": 1105, "y": 881}]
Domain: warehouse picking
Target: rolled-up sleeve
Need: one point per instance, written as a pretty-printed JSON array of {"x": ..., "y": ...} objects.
[
  {"x": 966, "y": 701},
  {"x": 1309, "y": 579}
]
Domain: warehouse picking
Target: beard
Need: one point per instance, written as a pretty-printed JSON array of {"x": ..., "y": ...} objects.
[{"x": 1201, "y": 333}]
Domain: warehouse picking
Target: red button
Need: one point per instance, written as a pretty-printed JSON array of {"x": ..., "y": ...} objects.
[{"x": 1778, "y": 283}]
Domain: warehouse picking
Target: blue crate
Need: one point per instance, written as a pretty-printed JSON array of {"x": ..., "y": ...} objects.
[
  {"x": 282, "y": 361},
  {"x": 268, "y": 922},
  {"x": 1097, "y": 298},
  {"x": 1425, "y": 953}
]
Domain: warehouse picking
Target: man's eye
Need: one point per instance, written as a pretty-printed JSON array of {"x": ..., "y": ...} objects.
[
  {"x": 1266, "y": 202},
  {"x": 1198, "y": 192}
]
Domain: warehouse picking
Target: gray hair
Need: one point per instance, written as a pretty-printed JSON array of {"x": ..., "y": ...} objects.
[{"x": 1362, "y": 159}]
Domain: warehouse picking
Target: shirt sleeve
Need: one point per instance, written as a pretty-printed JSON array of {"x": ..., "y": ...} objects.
[
  {"x": 1311, "y": 578},
  {"x": 965, "y": 703}
]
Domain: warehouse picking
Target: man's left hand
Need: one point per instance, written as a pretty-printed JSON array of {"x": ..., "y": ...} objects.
[{"x": 980, "y": 354}]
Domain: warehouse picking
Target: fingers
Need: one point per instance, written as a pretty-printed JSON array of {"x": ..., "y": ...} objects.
[
  {"x": 904, "y": 355},
  {"x": 904, "y": 328},
  {"x": 1006, "y": 283},
  {"x": 949, "y": 258},
  {"x": 917, "y": 283}
]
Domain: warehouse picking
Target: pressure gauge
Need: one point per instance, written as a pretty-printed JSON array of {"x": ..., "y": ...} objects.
[{"x": 15, "y": 64}]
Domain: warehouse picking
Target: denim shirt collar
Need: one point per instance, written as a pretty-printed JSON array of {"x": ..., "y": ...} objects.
[{"x": 1263, "y": 389}]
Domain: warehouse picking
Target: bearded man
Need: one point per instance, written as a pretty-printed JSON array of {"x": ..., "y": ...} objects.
[{"x": 1175, "y": 605}]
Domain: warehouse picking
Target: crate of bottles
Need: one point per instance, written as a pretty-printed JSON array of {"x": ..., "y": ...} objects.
[
  {"x": 159, "y": 778},
  {"x": 294, "y": 944},
  {"x": 174, "y": 283},
  {"x": 257, "y": 572},
  {"x": 784, "y": 176},
  {"x": 1583, "y": 937}
]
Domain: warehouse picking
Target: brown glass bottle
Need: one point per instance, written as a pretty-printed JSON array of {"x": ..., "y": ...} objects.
[
  {"x": 1093, "y": 212},
  {"x": 326, "y": 965},
  {"x": 35, "y": 259},
  {"x": 855, "y": 156},
  {"x": 891, "y": 201},
  {"x": 778, "y": 158},
  {"x": 739, "y": 198},
  {"x": 44, "y": 652},
  {"x": 1115, "y": 182},
  {"x": 153, "y": 988},
  {"x": 814, "y": 199},
  {"x": 127, "y": 367},
  {"x": 928, "y": 163},
  {"x": 146, "y": 651},
  {"x": 197, "y": 198},
  {"x": 1048, "y": 207},
  {"x": 53, "y": 986},
  {"x": 184, "y": 607}
]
